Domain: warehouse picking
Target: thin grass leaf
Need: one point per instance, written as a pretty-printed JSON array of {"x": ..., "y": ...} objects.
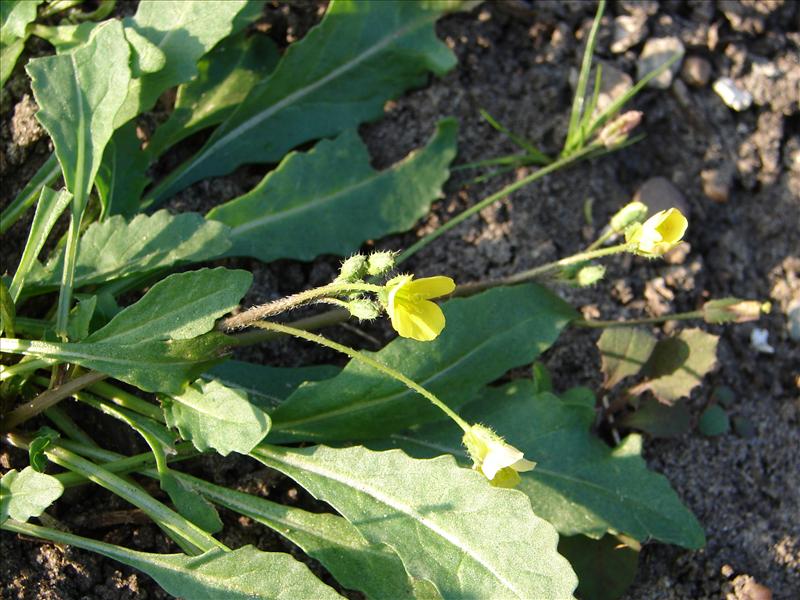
[{"x": 47, "y": 174}]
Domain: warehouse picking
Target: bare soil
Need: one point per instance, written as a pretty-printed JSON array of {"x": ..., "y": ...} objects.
[{"x": 515, "y": 60}]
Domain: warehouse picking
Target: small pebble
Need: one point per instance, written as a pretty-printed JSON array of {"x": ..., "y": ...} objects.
[
  {"x": 639, "y": 7},
  {"x": 655, "y": 53},
  {"x": 613, "y": 85},
  {"x": 793, "y": 324},
  {"x": 732, "y": 95},
  {"x": 759, "y": 341},
  {"x": 717, "y": 183},
  {"x": 696, "y": 71},
  {"x": 629, "y": 30},
  {"x": 658, "y": 193}
]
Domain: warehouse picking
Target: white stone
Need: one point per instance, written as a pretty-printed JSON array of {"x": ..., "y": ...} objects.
[
  {"x": 758, "y": 340},
  {"x": 732, "y": 95}
]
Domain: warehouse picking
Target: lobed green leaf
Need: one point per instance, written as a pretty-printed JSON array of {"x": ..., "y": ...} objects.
[
  {"x": 331, "y": 200},
  {"x": 339, "y": 75},
  {"x": 447, "y": 524},
  {"x": 580, "y": 485},
  {"x": 27, "y": 493}
]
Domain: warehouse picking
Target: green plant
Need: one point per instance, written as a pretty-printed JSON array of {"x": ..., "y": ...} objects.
[{"x": 401, "y": 423}]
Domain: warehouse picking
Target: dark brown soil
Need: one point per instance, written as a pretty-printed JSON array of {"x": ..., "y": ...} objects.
[{"x": 515, "y": 61}]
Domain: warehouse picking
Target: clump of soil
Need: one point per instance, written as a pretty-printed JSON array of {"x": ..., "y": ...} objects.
[{"x": 738, "y": 176}]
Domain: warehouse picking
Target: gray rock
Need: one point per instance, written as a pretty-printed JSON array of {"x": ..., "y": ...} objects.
[
  {"x": 629, "y": 30},
  {"x": 660, "y": 194},
  {"x": 696, "y": 71},
  {"x": 613, "y": 85},
  {"x": 732, "y": 95},
  {"x": 793, "y": 323},
  {"x": 656, "y": 52}
]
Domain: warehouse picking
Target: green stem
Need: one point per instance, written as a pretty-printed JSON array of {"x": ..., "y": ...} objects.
[
  {"x": 257, "y": 336},
  {"x": 250, "y": 316},
  {"x": 26, "y": 365},
  {"x": 355, "y": 355},
  {"x": 48, "y": 398},
  {"x": 509, "y": 189},
  {"x": 60, "y": 537},
  {"x": 127, "y": 400},
  {"x": 604, "y": 237},
  {"x": 68, "y": 275},
  {"x": 62, "y": 421},
  {"x": 687, "y": 316},
  {"x": 163, "y": 515},
  {"x": 468, "y": 289}
]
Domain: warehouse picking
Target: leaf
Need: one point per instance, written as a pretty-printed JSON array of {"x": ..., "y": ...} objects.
[
  {"x": 336, "y": 544},
  {"x": 122, "y": 176},
  {"x": 624, "y": 351},
  {"x": 212, "y": 415},
  {"x": 605, "y": 567},
  {"x": 190, "y": 504},
  {"x": 242, "y": 574},
  {"x": 156, "y": 366},
  {"x": 714, "y": 421},
  {"x": 486, "y": 335},
  {"x": 115, "y": 247},
  {"x": 8, "y": 313},
  {"x": 338, "y": 76},
  {"x": 267, "y": 387},
  {"x": 80, "y": 317},
  {"x": 48, "y": 210},
  {"x": 331, "y": 200},
  {"x": 15, "y": 16},
  {"x": 79, "y": 95},
  {"x": 179, "y": 307},
  {"x": 580, "y": 485},
  {"x": 679, "y": 364},
  {"x": 225, "y": 77},
  {"x": 447, "y": 524},
  {"x": 182, "y": 31},
  {"x": 27, "y": 494},
  {"x": 659, "y": 420}
]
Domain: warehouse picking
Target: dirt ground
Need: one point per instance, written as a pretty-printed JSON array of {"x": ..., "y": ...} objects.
[{"x": 736, "y": 174}]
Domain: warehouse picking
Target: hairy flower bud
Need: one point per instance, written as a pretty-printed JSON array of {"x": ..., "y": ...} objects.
[
  {"x": 734, "y": 310},
  {"x": 364, "y": 309},
  {"x": 633, "y": 212},
  {"x": 379, "y": 263},
  {"x": 353, "y": 269},
  {"x": 616, "y": 132}
]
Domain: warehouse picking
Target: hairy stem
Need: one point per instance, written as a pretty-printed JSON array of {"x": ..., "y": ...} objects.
[{"x": 355, "y": 355}]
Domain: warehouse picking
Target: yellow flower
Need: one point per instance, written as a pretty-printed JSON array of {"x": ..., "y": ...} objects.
[
  {"x": 408, "y": 304},
  {"x": 499, "y": 462},
  {"x": 659, "y": 234}
]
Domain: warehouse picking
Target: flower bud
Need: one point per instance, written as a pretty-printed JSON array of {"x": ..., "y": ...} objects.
[
  {"x": 379, "y": 263},
  {"x": 616, "y": 132},
  {"x": 353, "y": 269},
  {"x": 363, "y": 309},
  {"x": 633, "y": 212},
  {"x": 734, "y": 310},
  {"x": 583, "y": 274},
  {"x": 659, "y": 234}
]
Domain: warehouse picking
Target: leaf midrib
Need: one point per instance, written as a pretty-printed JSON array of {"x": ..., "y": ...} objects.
[
  {"x": 360, "y": 406},
  {"x": 258, "y": 118},
  {"x": 399, "y": 506}
]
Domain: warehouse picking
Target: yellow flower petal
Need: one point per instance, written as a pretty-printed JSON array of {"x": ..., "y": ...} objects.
[
  {"x": 412, "y": 314},
  {"x": 421, "y": 320},
  {"x": 432, "y": 287}
]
